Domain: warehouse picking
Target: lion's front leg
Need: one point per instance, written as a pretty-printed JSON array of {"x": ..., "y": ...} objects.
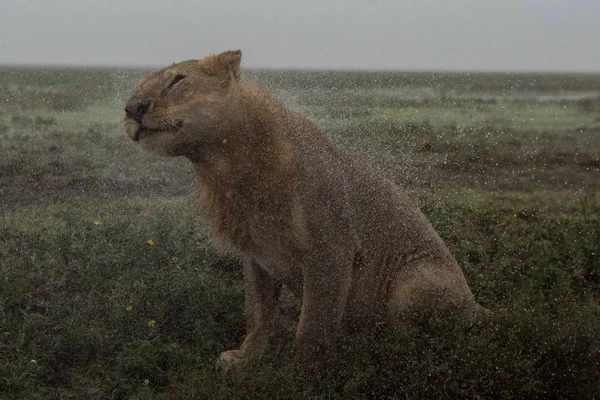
[
  {"x": 325, "y": 293},
  {"x": 261, "y": 293}
]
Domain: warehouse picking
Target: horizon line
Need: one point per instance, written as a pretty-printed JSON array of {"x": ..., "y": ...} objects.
[{"x": 315, "y": 69}]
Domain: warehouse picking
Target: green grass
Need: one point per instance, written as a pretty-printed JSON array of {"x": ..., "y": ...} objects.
[
  {"x": 547, "y": 118},
  {"x": 67, "y": 285},
  {"x": 68, "y": 120},
  {"x": 69, "y": 274},
  {"x": 505, "y": 165},
  {"x": 544, "y": 118}
]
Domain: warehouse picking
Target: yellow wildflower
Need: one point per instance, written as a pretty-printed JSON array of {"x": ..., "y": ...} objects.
[
  {"x": 129, "y": 307},
  {"x": 151, "y": 323},
  {"x": 96, "y": 222},
  {"x": 150, "y": 242}
]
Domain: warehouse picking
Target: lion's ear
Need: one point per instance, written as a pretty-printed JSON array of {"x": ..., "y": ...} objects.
[{"x": 225, "y": 64}]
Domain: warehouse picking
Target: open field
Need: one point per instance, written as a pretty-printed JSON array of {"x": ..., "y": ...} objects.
[{"x": 109, "y": 289}]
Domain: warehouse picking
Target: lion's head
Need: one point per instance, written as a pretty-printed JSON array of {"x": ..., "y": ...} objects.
[{"x": 176, "y": 109}]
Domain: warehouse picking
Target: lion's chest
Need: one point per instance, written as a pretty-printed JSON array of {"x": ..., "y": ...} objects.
[
  {"x": 275, "y": 237},
  {"x": 273, "y": 250},
  {"x": 274, "y": 257}
]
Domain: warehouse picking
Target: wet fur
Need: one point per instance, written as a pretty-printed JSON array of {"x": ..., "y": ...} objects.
[{"x": 297, "y": 211}]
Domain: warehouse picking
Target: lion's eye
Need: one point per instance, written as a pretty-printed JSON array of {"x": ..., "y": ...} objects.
[{"x": 178, "y": 78}]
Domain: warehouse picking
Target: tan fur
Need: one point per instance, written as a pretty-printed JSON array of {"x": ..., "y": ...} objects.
[{"x": 295, "y": 209}]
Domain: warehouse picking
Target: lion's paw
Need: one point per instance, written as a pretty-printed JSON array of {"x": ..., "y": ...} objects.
[{"x": 228, "y": 360}]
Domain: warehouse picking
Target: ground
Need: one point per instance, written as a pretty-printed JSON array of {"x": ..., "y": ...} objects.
[{"x": 109, "y": 289}]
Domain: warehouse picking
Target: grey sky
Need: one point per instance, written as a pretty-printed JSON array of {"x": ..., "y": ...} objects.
[{"x": 559, "y": 35}]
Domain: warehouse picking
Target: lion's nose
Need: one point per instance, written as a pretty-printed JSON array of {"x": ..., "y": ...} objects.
[{"x": 137, "y": 109}]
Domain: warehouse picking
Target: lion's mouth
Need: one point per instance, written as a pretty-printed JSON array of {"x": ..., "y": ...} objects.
[{"x": 144, "y": 130}]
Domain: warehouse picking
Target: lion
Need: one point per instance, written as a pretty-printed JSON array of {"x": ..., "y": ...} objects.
[{"x": 298, "y": 211}]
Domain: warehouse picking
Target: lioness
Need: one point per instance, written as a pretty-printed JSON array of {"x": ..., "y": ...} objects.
[{"x": 297, "y": 211}]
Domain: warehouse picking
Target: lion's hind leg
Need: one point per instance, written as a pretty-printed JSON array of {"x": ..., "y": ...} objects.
[{"x": 429, "y": 288}]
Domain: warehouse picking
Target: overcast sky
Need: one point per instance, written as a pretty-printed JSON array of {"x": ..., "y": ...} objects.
[{"x": 558, "y": 35}]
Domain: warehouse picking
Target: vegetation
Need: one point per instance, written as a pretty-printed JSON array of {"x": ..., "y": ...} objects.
[{"x": 109, "y": 288}]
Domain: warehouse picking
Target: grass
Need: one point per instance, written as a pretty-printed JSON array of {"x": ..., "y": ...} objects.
[
  {"x": 69, "y": 120},
  {"x": 109, "y": 287},
  {"x": 78, "y": 297}
]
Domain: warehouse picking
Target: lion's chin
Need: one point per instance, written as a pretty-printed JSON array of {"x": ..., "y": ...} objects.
[
  {"x": 162, "y": 143},
  {"x": 137, "y": 131},
  {"x": 144, "y": 131}
]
